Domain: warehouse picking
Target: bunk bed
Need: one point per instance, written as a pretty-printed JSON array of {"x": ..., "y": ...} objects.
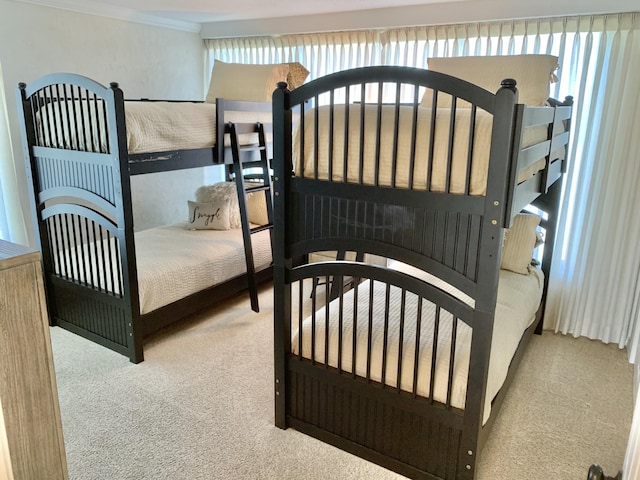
[
  {"x": 433, "y": 173},
  {"x": 82, "y": 143}
]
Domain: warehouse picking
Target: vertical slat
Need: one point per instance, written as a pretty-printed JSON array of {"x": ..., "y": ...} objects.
[
  {"x": 313, "y": 324},
  {"x": 376, "y": 170},
  {"x": 362, "y": 133},
  {"x": 354, "y": 348},
  {"x": 301, "y": 151},
  {"x": 403, "y": 298},
  {"x": 340, "y": 327},
  {"x": 327, "y": 298},
  {"x": 452, "y": 358},
  {"x": 330, "y": 142},
  {"x": 472, "y": 132},
  {"x": 416, "y": 358},
  {"x": 394, "y": 162},
  {"x": 385, "y": 338},
  {"x": 432, "y": 136},
  {"x": 414, "y": 130},
  {"x": 452, "y": 128},
  {"x": 300, "y": 314},
  {"x": 315, "y": 139},
  {"x": 434, "y": 352},
  {"x": 370, "y": 330},
  {"x": 345, "y": 153}
]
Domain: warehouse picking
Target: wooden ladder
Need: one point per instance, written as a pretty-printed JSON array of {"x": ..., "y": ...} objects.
[{"x": 251, "y": 169}]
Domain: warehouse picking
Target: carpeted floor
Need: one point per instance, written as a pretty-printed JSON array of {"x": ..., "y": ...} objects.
[{"x": 201, "y": 407}]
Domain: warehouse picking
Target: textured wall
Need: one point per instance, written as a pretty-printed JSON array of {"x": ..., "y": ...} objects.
[{"x": 146, "y": 61}]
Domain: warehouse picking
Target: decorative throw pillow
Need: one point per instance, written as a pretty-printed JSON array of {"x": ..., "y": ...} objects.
[
  {"x": 219, "y": 193},
  {"x": 519, "y": 242},
  {"x": 208, "y": 216},
  {"x": 533, "y": 74},
  {"x": 247, "y": 82},
  {"x": 297, "y": 75},
  {"x": 257, "y": 208}
]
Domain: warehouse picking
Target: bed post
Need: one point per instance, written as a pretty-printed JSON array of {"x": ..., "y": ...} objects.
[
  {"x": 488, "y": 273},
  {"x": 124, "y": 209},
  {"x": 282, "y": 166}
]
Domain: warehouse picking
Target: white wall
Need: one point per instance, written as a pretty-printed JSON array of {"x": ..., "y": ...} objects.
[{"x": 146, "y": 61}]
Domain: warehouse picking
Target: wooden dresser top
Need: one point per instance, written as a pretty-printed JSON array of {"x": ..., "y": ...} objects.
[{"x": 12, "y": 255}]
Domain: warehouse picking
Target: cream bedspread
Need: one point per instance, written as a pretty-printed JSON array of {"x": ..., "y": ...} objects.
[
  {"x": 479, "y": 164},
  {"x": 164, "y": 126},
  {"x": 518, "y": 300},
  {"x": 174, "y": 262},
  {"x": 151, "y": 126}
]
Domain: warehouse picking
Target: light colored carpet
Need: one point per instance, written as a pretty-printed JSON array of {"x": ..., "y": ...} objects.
[{"x": 201, "y": 407}]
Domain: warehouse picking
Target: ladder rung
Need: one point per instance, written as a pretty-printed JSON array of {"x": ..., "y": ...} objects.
[
  {"x": 261, "y": 188},
  {"x": 251, "y": 148},
  {"x": 261, "y": 228}
]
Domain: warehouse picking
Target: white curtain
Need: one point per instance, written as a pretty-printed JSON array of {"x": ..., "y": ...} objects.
[
  {"x": 595, "y": 282},
  {"x": 12, "y": 226}
]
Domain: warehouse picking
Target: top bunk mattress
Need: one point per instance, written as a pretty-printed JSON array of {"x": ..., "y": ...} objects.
[
  {"x": 152, "y": 126},
  {"x": 375, "y": 157}
]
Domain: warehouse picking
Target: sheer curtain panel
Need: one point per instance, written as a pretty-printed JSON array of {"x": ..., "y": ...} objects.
[{"x": 12, "y": 226}]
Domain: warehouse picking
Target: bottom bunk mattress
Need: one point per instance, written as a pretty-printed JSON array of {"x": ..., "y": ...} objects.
[
  {"x": 518, "y": 300},
  {"x": 174, "y": 262}
]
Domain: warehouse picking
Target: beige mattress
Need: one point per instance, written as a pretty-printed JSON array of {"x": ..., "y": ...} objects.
[
  {"x": 151, "y": 126},
  {"x": 164, "y": 126},
  {"x": 518, "y": 300},
  {"x": 174, "y": 262},
  {"x": 480, "y": 159}
]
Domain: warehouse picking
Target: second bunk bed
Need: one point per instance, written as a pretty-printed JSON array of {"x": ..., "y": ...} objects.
[
  {"x": 104, "y": 280},
  {"x": 408, "y": 364}
]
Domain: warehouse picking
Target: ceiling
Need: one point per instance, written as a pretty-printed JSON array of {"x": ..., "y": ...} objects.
[
  {"x": 206, "y": 11},
  {"x": 246, "y": 17}
]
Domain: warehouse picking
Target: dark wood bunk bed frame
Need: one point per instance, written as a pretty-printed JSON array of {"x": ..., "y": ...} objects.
[
  {"x": 81, "y": 187},
  {"x": 411, "y": 434}
]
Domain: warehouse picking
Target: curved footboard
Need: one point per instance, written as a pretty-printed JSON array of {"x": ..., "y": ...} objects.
[{"x": 74, "y": 141}]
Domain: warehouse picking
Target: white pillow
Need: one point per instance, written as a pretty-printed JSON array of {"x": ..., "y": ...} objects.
[
  {"x": 219, "y": 193},
  {"x": 533, "y": 74},
  {"x": 519, "y": 242},
  {"x": 208, "y": 216},
  {"x": 252, "y": 83}
]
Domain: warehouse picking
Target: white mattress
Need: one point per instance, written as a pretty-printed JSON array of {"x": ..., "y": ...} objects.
[
  {"x": 518, "y": 300},
  {"x": 482, "y": 143},
  {"x": 151, "y": 126},
  {"x": 174, "y": 262},
  {"x": 163, "y": 126}
]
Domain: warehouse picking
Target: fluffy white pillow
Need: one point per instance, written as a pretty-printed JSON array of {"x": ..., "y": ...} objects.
[
  {"x": 252, "y": 83},
  {"x": 219, "y": 193},
  {"x": 519, "y": 242},
  {"x": 533, "y": 74},
  {"x": 208, "y": 216}
]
